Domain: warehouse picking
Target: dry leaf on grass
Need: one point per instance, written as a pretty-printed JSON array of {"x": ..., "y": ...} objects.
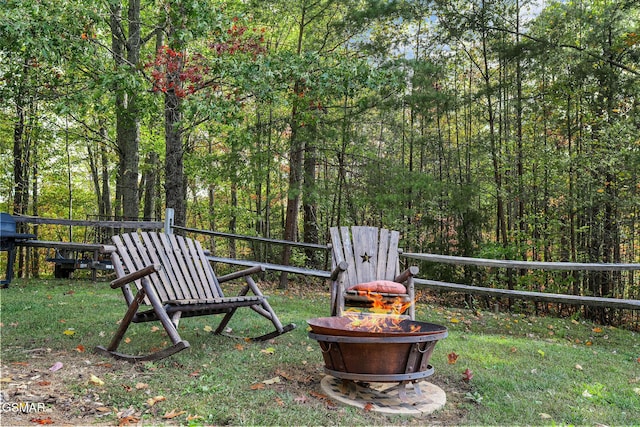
[
  {"x": 173, "y": 413},
  {"x": 95, "y": 380},
  {"x": 42, "y": 421},
  {"x": 153, "y": 400},
  {"x": 56, "y": 366},
  {"x": 125, "y": 421}
]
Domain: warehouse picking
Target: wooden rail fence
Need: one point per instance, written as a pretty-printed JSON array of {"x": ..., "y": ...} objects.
[{"x": 618, "y": 303}]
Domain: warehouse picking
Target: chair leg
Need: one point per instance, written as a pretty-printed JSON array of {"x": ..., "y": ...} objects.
[
  {"x": 264, "y": 309},
  {"x": 126, "y": 321},
  {"x": 178, "y": 343}
]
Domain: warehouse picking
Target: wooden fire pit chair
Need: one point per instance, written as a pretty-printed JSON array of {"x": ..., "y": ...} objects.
[
  {"x": 365, "y": 265},
  {"x": 172, "y": 274}
]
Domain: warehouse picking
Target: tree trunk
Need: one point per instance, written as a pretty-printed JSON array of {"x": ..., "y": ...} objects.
[
  {"x": 150, "y": 182},
  {"x": 310, "y": 206},
  {"x": 126, "y": 54},
  {"x": 296, "y": 154},
  {"x": 175, "y": 185}
]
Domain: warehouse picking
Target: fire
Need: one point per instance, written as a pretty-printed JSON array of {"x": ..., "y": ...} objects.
[{"x": 385, "y": 316}]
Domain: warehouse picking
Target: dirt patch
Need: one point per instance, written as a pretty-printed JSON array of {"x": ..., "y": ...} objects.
[{"x": 56, "y": 388}]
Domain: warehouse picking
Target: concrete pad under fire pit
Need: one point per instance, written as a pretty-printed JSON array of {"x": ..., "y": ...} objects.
[{"x": 384, "y": 397}]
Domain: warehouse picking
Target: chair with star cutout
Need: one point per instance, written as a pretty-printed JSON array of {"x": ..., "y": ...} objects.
[{"x": 366, "y": 274}]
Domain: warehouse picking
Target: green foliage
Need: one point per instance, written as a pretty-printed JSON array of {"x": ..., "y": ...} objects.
[{"x": 419, "y": 116}]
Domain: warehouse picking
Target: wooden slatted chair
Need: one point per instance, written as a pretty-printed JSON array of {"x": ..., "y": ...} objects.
[
  {"x": 173, "y": 275},
  {"x": 365, "y": 260}
]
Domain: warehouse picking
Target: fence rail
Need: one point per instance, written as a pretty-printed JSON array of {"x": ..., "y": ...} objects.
[{"x": 619, "y": 303}]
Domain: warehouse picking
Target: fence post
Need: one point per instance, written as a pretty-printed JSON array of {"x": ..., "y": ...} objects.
[{"x": 168, "y": 221}]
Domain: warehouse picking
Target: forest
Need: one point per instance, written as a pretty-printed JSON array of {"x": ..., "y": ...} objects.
[{"x": 501, "y": 129}]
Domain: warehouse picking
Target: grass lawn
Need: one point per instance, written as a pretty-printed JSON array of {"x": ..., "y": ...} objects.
[{"x": 525, "y": 370}]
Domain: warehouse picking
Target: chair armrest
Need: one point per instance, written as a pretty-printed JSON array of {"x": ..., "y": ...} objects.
[
  {"x": 409, "y": 272},
  {"x": 242, "y": 273},
  {"x": 342, "y": 267},
  {"x": 138, "y": 274},
  {"x": 107, "y": 249}
]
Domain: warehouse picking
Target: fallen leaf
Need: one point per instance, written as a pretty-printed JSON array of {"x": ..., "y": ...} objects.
[
  {"x": 207, "y": 329},
  {"x": 194, "y": 374},
  {"x": 69, "y": 331},
  {"x": 43, "y": 421},
  {"x": 173, "y": 413},
  {"x": 43, "y": 383},
  {"x": 452, "y": 358},
  {"x": 103, "y": 409},
  {"x": 141, "y": 386},
  {"x": 6, "y": 379},
  {"x": 194, "y": 417},
  {"x": 454, "y": 320},
  {"x": 541, "y": 353},
  {"x": 467, "y": 375},
  {"x": 544, "y": 416},
  {"x": 153, "y": 400},
  {"x": 588, "y": 343},
  {"x": 273, "y": 380},
  {"x": 95, "y": 380},
  {"x": 154, "y": 329},
  {"x": 636, "y": 390},
  {"x": 257, "y": 386},
  {"x": 368, "y": 407},
  {"x": 579, "y": 367},
  {"x": 80, "y": 348},
  {"x": 586, "y": 394},
  {"x": 513, "y": 350},
  {"x": 269, "y": 350},
  {"x": 301, "y": 399},
  {"x": 56, "y": 367},
  {"x": 597, "y": 330},
  {"x": 319, "y": 395},
  {"x": 239, "y": 347},
  {"x": 280, "y": 402},
  {"x": 125, "y": 421},
  {"x": 127, "y": 340}
]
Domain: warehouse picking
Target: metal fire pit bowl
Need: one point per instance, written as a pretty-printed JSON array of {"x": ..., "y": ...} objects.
[{"x": 357, "y": 354}]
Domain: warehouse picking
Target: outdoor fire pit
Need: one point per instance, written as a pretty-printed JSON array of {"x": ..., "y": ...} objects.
[{"x": 390, "y": 350}]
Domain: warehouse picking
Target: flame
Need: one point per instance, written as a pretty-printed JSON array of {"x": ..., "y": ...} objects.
[{"x": 386, "y": 315}]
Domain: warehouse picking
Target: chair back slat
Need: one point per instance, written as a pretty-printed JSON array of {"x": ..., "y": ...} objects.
[
  {"x": 393, "y": 256},
  {"x": 206, "y": 270},
  {"x": 365, "y": 252}
]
